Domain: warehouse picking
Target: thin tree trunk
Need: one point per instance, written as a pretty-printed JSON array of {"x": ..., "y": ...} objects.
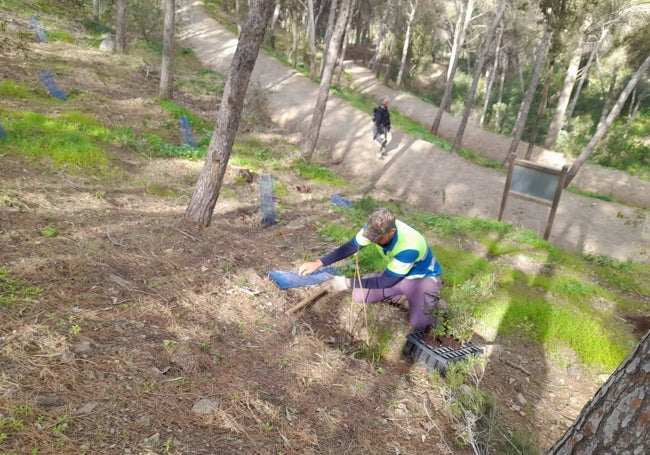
[
  {"x": 608, "y": 99},
  {"x": 604, "y": 126},
  {"x": 96, "y": 10},
  {"x": 490, "y": 81},
  {"x": 328, "y": 33},
  {"x": 616, "y": 419},
  {"x": 407, "y": 39},
  {"x": 324, "y": 88},
  {"x": 540, "y": 109},
  {"x": 478, "y": 69},
  {"x": 120, "y": 28},
  {"x": 311, "y": 38},
  {"x": 344, "y": 45},
  {"x": 585, "y": 72},
  {"x": 391, "y": 59},
  {"x": 528, "y": 99},
  {"x": 166, "y": 68},
  {"x": 453, "y": 62},
  {"x": 274, "y": 23},
  {"x": 206, "y": 191},
  {"x": 294, "y": 39},
  {"x": 375, "y": 62},
  {"x": 502, "y": 83},
  {"x": 238, "y": 16},
  {"x": 558, "y": 121}
]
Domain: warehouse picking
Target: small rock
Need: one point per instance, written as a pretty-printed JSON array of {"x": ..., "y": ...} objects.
[
  {"x": 205, "y": 406},
  {"x": 521, "y": 398},
  {"x": 87, "y": 408},
  {"x": 49, "y": 401},
  {"x": 82, "y": 347},
  {"x": 152, "y": 440}
]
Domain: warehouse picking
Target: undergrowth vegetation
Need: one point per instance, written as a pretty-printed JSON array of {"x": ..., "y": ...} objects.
[{"x": 502, "y": 283}]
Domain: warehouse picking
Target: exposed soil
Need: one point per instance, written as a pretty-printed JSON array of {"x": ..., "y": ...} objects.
[{"x": 152, "y": 336}]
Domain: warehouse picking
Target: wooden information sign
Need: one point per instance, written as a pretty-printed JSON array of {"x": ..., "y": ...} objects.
[{"x": 536, "y": 183}]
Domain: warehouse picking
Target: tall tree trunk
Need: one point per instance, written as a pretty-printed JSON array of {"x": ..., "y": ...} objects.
[
  {"x": 585, "y": 72},
  {"x": 502, "y": 83},
  {"x": 166, "y": 68},
  {"x": 478, "y": 70},
  {"x": 274, "y": 22},
  {"x": 206, "y": 191},
  {"x": 532, "y": 140},
  {"x": 608, "y": 98},
  {"x": 617, "y": 418},
  {"x": 391, "y": 60},
  {"x": 328, "y": 33},
  {"x": 238, "y": 16},
  {"x": 410, "y": 17},
  {"x": 294, "y": 39},
  {"x": 120, "y": 27},
  {"x": 453, "y": 63},
  {"x": 558, "y": 121},
  {"x": 96, "y": 10},
  {"x": 375, "y": 62},
  {"x": 324, "y": 88},
  {"x": 311, "y": 39},
  {"x": 604, "y": 126},
  {"x": 490, "y": 80},
  {"x": 344, "y": 45},
  {"x": 528, "y": 99}
]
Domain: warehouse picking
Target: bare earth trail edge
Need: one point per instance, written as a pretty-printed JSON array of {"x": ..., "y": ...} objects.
[{"x": 423, "y": 175}]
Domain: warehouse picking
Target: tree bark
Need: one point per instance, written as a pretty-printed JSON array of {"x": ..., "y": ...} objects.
[
  {"x": 617, "y": 418},
  {"x": 585, "y": 72},
  {"x": 166, "y": 68},
  {"x": 604, "y": 126},
  {"x": 328, "y": 33},
  {"x": 294, "y": 39},
  {"x": 96, "y": 10},
  {"x": 120, "y": 27},
  {"x": 410, "y": 17},
  {"x": 540, "y": 109},
  {"x": 344, "y": 45},
  {"x": 311, "y": 36},
  {"x": 459, "y": 39},
  {"x": 490, "y": 80},
  {"x": 326, "y": 80},
  {"x": 478, "y": 70},
  {"x": 528, "y": 99},
  {"x": 559, "y": 119},
  {"x": 206, "y": 191}
]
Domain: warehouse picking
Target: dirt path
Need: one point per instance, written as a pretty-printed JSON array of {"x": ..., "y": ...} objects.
[{"x": 419, "y": 173}]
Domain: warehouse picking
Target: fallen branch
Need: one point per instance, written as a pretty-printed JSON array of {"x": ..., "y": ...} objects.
[
  {"x": 312, "y": 298},
  {"x": 515, "y": 366}
]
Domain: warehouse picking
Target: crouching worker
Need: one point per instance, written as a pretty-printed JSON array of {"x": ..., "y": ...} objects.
[{"x": 412, "y": 269}]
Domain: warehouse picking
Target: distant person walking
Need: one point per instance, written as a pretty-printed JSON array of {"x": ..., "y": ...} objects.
[{"x": 381, "y": 131}]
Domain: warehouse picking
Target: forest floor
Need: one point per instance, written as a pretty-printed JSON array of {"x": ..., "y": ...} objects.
[{"x": 151, "y": 336}]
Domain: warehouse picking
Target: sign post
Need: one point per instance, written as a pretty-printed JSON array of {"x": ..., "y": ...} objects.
[{"x": 536, "y": 183}]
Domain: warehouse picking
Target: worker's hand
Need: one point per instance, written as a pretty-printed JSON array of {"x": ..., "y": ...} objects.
[
  {"x": 309, "y": 267},
  {"x": 338, "y": 284}
]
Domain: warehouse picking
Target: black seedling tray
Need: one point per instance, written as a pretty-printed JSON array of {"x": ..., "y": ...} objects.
[{"x": 435, "y": 358}]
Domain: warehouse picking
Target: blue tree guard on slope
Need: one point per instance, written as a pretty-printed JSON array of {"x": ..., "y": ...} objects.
[
  {"x": 3, "y": 133},
  {"x": 267, "y": 200},
  {"x": 188, "y": 136},
  {"x": 340, "y": 201},
  {"x": 48, "y": 81},
  {"x": 40, "y": 33}
]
